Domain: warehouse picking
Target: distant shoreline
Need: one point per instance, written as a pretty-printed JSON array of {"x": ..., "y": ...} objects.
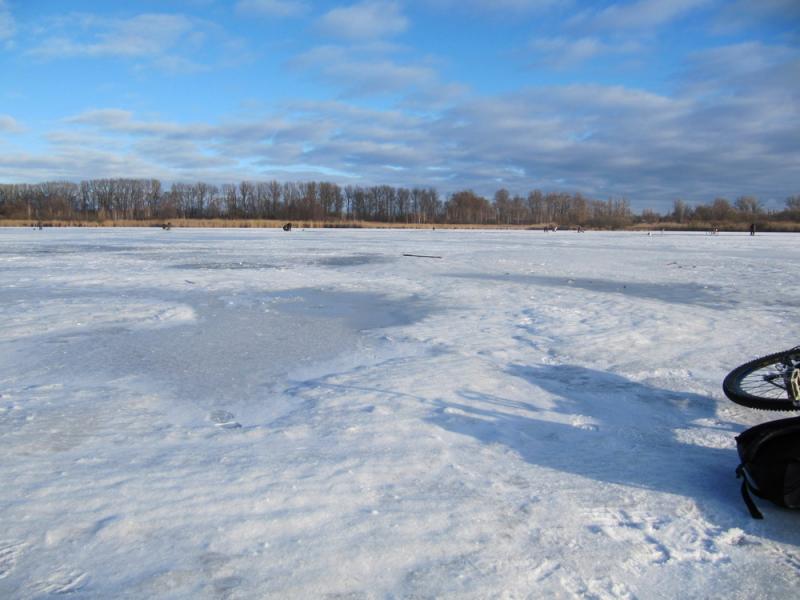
[{"x": 763, "y": 227}]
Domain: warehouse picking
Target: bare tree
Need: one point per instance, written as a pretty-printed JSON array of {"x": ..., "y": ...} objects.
[
  {"x": 749, "y": 205},
  {"x": 680, "y": 210}
]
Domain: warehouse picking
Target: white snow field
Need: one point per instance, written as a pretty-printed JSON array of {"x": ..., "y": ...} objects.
[{"x": 259, "y": 414}]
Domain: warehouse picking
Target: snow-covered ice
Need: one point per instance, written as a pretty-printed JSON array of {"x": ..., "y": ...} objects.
[{"x": 253, "y": 413}]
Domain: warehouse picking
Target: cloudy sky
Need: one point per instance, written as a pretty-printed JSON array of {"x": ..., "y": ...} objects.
[{"x": 647, "y": 99}]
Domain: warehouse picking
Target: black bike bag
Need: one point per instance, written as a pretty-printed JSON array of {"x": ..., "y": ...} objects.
[{"x": 770, "y": 467}]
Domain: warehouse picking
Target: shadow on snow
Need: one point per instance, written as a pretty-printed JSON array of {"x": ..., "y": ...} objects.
[
  {"x": 709, "y": 296},
  {"x": 617, "y": 431}
]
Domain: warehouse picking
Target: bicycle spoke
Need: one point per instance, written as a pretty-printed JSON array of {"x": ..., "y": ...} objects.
[
  {"x": 767, "y": 385},
  {"x": 765, "y": 382},
  {"x": 758, "y": 382}
]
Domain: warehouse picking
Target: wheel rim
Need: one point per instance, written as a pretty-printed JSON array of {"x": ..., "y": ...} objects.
[{"x": 772, "y": 381}]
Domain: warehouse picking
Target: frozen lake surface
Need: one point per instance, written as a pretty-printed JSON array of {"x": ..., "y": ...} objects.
[{"x": 253, "y": 413}]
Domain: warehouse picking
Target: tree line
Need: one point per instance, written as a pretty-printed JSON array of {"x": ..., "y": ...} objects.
[
  {"x": 745, "y": 209},
  {"x": 146, "y": 199}
]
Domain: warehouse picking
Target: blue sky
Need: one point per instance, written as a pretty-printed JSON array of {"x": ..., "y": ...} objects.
[{"x": 650, "y": 100}]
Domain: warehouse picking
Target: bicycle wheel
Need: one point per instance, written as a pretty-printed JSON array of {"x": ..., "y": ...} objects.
[{"x": 767, "y": 383}]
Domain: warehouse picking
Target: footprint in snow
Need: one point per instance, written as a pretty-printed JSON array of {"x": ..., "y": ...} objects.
[
  {"x": 225, "y": 586},
  {"x": 224, "y": 419},
  {"x": 544, "y": 570},
  {"x": 584, "y": 423},
  {"x": 216, "y": 566},
  {"x": 640, "y": 532},
  {"x": 787, "y": 558}
]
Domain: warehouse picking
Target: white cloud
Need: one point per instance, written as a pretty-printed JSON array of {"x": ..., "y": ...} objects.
[
  {"x": 641, "y": 14},
  {"x": 749, "y": 67},
  {"x": 514, "y": 4},
  {"x": 272, "y": 8},
  {"x": 178, "y": 64},
  {"x": 562, "y": 52},
  {"x": 145, "y": 35},
  {"x": 364, "y": 21},
  {"x": 9, "y": 124},
  {"x": 169, "y": 42},
  {"x": 109, "y": 118},
  {"x": 497, "y": 6},
  {"x": 119, "y": 121},
  {"x": 741, "y": 14},
  {"x": 8, "y": 26},
  {"x": 360, "y": 74}
]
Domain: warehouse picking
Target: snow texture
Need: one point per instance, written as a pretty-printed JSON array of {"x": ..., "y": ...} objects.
[{"x": 254, "y": 414}]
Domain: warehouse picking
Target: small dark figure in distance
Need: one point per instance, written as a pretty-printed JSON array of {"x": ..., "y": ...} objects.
[
  {"x": 287, "y": 227},
  {"x": 752, "y": 228},
  {"x": 166, "y": 226}
]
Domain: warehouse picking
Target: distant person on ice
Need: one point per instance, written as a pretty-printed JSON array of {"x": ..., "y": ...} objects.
[{"x": 752, "y": 228}]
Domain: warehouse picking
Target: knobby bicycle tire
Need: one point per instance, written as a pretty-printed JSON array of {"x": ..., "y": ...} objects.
[{"x": 763, "y": 383}]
